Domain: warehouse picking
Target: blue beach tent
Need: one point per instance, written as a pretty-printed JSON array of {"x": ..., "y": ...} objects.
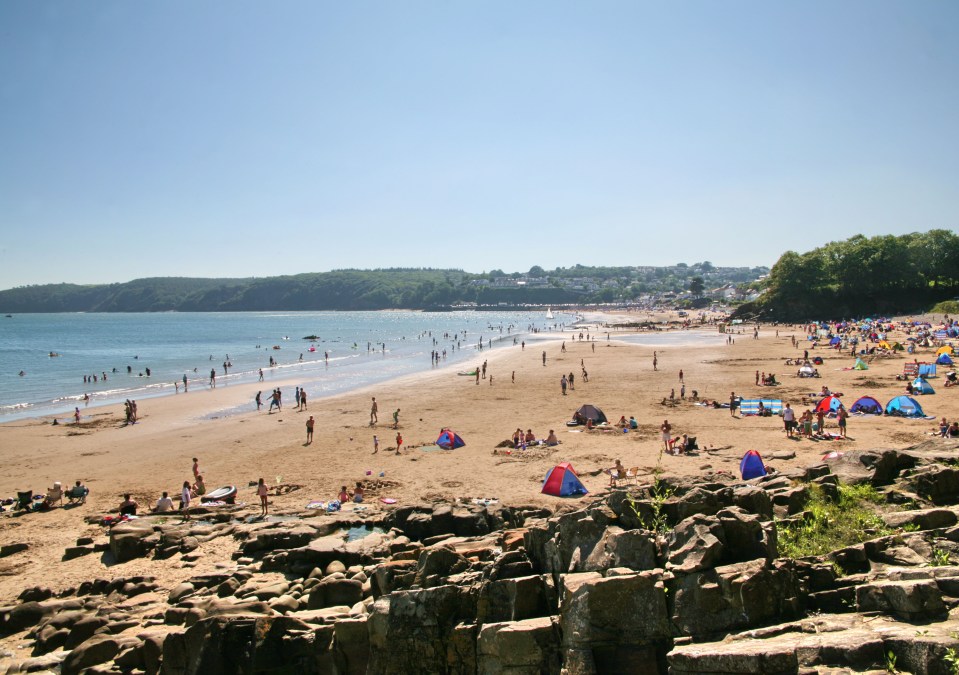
[
  {"x": 562, "y": 481},
  {"x": 449, "y": 440},
  {"x": 752, "y": 465},
  {"x": 927, "y": 370},
  {"x": 944, "y": 360},
  {"x": 866, "y": 405},
  {"x": 920, "y": 386},
  {"x": 904, "y": 406}
]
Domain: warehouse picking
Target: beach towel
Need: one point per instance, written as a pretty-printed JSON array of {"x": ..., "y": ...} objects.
[{"x": 750, "y": 406}]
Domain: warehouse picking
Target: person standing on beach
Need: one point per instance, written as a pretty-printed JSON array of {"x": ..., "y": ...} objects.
[
  {"x": 789, "y": 420},
  {"x": 665, "y": 430},
  {"x": 262, "y": 492},
  {"x": 399, "y": 442},
  {"x": 296, "y": 398},
  {"x": 302, "y": 399},
  {"x": 259, "y": 400},
  {"x": 213, "y": 378},
  {"x": 76, "y": 415},
  {"x": 843, "y": 416},
  {"x": 655, "y": 362},
  {"x": 184, "y": 383},
  {"x": 376, "y": 444},
  {"x": 732, "y": 404},
  {"x": 562, "y": 384},
  {"x": 544, "y": 357},
  {"x": 681, "y": 380},
  {"x": 309, "y": 430},
  {"x": 261, "y": 374},
  {"x": 373, "y": 409},
  {"x": 196, "y": 468},
  {"x": 396, "y": 418},
  {"x": 185, "y": 496}
]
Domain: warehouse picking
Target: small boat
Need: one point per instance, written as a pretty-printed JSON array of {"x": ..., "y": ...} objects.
[
  {"x": 312, "y": 338},
  {"x": 224, "y": 494},
  {"x": 53, "y": 354},
  {"x": 276, "y": 346},
  {"x": 549, "y": 312},
  {"x": 9, "y": 316}
]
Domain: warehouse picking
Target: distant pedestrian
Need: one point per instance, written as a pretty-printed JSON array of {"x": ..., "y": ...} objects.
[
  {"x": 665, "y": 430},
  {"x": 309, "y": 430},
  {"x": 185, "y": 496},
  {"x": 302, "y": 399},
  {"x": 76, "y": 415},
  {"x": 843, "y": 416},
  {"x": 373, "y": 410},
  {"x": 681, "y": 375},
  {"x": 376, "y": 445},
  {"x": 562, "y": 384},
  {"x": 213, "y": 378},
  {"x": 732, "y": 404},
  {"x": 396, "y": 418},
  {"x": 196, "y": 468},
  {"x": 544, "y": 357},
  {"x": 399, "y": 442},
  {"x": 514, "y": 377},
  {"x": 259, "y": 400},
  {"x": 655, "y": 362}
]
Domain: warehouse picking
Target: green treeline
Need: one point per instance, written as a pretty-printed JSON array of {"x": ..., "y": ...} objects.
[
  {"x": 378, "y": 289},
  {"x": 860, "y": 277}
]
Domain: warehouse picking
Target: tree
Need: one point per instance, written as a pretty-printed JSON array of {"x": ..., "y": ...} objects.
[
  {"x": 697, "y": 286},
  {"x": 536, "y": 271}
]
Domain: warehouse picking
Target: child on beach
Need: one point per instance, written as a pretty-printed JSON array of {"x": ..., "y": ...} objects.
[
  {"x": 344, "y": 495},
  {"x": 262, "y": 491},
  {"x": 358, "y": 493},
  {"x": 376, "y": 445},
  {"x": 399, "y": 442}
]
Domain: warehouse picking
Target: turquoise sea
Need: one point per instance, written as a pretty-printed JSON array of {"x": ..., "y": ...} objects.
[{"x": 353, "y": 349}]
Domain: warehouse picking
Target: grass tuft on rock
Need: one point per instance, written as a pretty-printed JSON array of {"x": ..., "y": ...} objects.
[{"x": 828, "y": 525}]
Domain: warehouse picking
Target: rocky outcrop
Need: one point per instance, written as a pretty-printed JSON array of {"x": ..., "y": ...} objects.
[{"x": 681, "y": 576}]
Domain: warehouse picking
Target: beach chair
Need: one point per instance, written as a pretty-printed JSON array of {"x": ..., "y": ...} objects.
[
  {"x": 77, "y": 494},
  {"x": 24, "y": 501},
  {"x": 691, "y": 444},
  {"x": 910, "y": 370},
  {"x": 54, "y": 496},
  {"x": 632, "y": 474}
]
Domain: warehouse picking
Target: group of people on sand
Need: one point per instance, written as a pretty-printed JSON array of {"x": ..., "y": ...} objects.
[
  {"x": 631, "y": 423},
  {"x": 947, "y": 430},
  {"x": 356, "y": 496},
  {"x": 524, "y": 440},
  {"x": 804, "y": 427}
]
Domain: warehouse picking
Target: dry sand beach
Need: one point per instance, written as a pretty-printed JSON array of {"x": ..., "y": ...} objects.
[{"x": 155, "y": 454}]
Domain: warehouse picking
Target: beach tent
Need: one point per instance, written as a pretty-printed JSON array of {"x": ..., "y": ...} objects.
[
  {"x": 904, "y": 406},
  {"x": 897, "y": 347},
  {"x": 835, "y": 341},
  {"x": 562, "y": 481},
  {"x": 944, "y": 360},
  {"x": 829, "y": 405},
  {"x": 860, "y": 365},
  {"x": 866, "y": 405},
  {"x": 750, "y": 406},
  {"x": 590, "y": 412},
  {"x": 817, "y": 360},
  {"x": 927, "y": 370},
  {"x": 884, "y": 345},
  {"x": 920, "y": 386},
  {"x": 752, "y": 465},
  {"x": 449, "y": 440},
  {"x": 945, "y": 349},
  {"x": 807, "y": 371}
]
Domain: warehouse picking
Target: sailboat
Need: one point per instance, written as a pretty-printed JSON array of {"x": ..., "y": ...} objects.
[{"x": 549, "y": 312}]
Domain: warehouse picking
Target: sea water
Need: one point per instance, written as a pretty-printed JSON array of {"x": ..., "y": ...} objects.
[{"x": 353, "y": 349}]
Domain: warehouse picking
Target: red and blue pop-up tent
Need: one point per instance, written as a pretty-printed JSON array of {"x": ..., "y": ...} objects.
[
  {"x": 752, "y": 465},
  {"x": 449, "y": 440},
  {"x": 562, "y": 481}
]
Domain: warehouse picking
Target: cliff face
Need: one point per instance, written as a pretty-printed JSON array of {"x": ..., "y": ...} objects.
[{"x": 680, "y": 577}]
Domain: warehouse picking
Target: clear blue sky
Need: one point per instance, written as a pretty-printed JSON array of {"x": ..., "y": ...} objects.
[{"x": 233, "y": 138}]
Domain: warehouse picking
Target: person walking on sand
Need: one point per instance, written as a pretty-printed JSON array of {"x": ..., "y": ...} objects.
[
  {"x": 562, "y": 384},
  {"x": 373, "y": 409},
  {"x": 262, "y": 491},
  {"x": 76, "y": 415},
  {"x": 396, "y": 418},
  {"x": 184, "y": 383},
  {"x": 309, "y": 430},
  {"x": 842, "y": 415},
  {"x": 655, "y": 362},
  {"x": 789, "y": 420},
  {"x": 212, "y": 378},
  {"x": 399, "y": 442},
  {"x": 544, "y": 357},
  {"x": 302, "y": 399},
  {"x": 681, "y": 375},
  {"x": 732, "y": 404},
  {"x": 196, "y": 468},
  {"x": 259, "y": 400},
  {"x": 376, "y": 444}
]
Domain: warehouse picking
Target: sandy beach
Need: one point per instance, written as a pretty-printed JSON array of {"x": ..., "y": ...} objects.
[{"x": 155, "y": 454}]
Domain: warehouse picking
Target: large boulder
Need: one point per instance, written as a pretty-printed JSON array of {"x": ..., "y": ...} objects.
[
  {"x": 635, "y": 549},
  {"x": 614, "y": 624},
  {"x": 697, "y": 543},
  {"x": 914, "y": 600},
  {"x": 132, "y": 539},
  {"x": 242, "y": 645},
  {"x": 331, "y": 592},
  {"x": 529, "y": 646},
  {"x": 734, "y": 596},
  {"x": 415, "y": 630},
  {"x": 515, "y": 599}
]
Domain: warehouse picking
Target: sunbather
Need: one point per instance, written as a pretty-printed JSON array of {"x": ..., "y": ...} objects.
[
  {"x": 551, "y": 439},
  {"x": 616, "y": 472},
  {"x": 54, "y": 495},
  {"x": 128, "y": 507}
]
